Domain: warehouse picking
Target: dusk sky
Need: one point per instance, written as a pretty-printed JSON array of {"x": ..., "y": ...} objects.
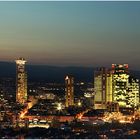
[{"x": 71, "y": 33}]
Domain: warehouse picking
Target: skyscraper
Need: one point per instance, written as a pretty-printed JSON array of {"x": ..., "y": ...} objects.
[
  {"x": 115, "y": 87},
  {"x": 120, "y": 83},
  {"x": 100, "y": 88},
  {"x": 109, "y": 94},
  {"x": 133, "y": 93},
  {"x": 69, "y": 90},
  {"x": 21, "y": 81}
]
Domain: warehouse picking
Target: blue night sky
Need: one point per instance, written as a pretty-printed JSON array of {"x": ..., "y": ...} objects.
[{"x": 71, "y": 33}]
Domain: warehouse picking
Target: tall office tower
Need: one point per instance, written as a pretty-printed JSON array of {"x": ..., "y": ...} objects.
[
  {"x": 21, "y": 81},
  {"x": 69, "y": 83},
  {"x": 109, "y": 94},
  {"x": 120, "y": 83},
  {"x": 100, "y": 88},
  {"x": 133, "y": 93}
]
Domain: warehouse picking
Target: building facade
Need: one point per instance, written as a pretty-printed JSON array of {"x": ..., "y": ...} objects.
[
  {"x": 115, "y": 87},
  {"x": 109, "y": 93},
  {"x": 21, "y": 81},
  {"x": 133, "y": 93},
  {"x": 100, "y": 88},
  {"x": 120, "y": 83},
  {"x": 69, "y": 91}
]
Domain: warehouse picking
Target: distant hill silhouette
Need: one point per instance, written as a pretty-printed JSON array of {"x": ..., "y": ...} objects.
[
  {"x": 48, "y": 73},
  {"x": 52, "y": 73},
  {"x": 57, "y": 74}
]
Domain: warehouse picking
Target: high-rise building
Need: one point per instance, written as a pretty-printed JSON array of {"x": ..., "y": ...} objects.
[
  {"x": 115, "y": 88},
  {"x": 21, "y": 81},
  {"x": 133, "y": 93},
  {"x": 100, "y": 88},
  {"x": 120, "y": 83},
  {"x": 109, "y": 94},
  {"x": 69, "y": 90}
]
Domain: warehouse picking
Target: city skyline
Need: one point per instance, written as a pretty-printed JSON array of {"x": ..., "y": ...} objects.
[{"x": 71, "y": 33}]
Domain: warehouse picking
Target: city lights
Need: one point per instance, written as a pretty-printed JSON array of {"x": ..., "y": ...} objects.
[
  {"x": 59, "y": 106},
  {"x": 79, "y": 103},
  {"x": 21, "y": 81},
  {"x": 69, "y": 70},
  {"x": 69, "y": 82},
  {"x": 114, "y": 93}
]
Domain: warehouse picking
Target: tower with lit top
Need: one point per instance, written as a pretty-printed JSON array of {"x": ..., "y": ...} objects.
[
  {"x": 21, "y": 81},
  {"x": 69, "y": 83}
]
